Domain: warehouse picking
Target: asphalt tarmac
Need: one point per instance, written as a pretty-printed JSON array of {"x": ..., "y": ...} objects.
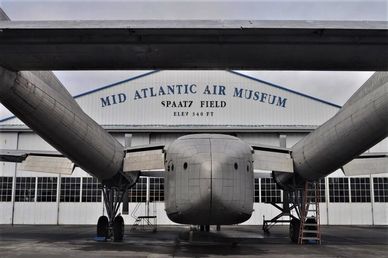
[{"x": 177, "y": 241}]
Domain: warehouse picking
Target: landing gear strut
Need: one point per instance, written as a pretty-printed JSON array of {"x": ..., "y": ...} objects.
[
  {"x": 302, "y": 227},
  {"x": 291, "y": 202},
  {"x": 294, "y": 230},
  {"x": 112, "y": 225}
]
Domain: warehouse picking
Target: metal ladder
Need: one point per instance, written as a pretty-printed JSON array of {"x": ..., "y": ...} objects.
[
  {"x": 144, "y": 223},
  {"x": 133, "y": 215},
  {"x": 310, "y": 230}
]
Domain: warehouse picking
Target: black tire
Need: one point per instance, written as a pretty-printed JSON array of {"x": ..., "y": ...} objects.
[
  {"x": 207, "y": 228},
  {"x": 294, "y": 230},
  {"x": 103, "y": 227},
  {"x": 118, "y": 229}
]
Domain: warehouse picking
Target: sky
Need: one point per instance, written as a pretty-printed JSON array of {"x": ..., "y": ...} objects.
[{"x": 335, "y": 87}]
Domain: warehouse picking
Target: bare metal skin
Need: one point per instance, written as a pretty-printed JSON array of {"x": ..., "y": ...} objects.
[
  {"x": 208, "y": 189},
  {"x": 353, "y": 130},
  {"x": 359, "y": 125},
  {"x": 209, "y": 177},
  {"x": 53, "y": 114},
  {"x": 209, "y": 180}
]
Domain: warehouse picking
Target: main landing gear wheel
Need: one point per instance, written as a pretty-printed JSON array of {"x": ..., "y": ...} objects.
[
  {"x": 294, "y": 230},
  {"x": 118, "y": 229},
  {"x": 103, "y": 227},
  {"x": 114, "y": 191}
]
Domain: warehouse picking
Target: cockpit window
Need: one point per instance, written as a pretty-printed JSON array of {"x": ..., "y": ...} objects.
[
  {"x": 235, "y": 166},
  {"x": 185, "y": 165}
]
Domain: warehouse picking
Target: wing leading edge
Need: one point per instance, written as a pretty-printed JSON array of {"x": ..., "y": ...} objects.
[{"x": 247, "y": 44}]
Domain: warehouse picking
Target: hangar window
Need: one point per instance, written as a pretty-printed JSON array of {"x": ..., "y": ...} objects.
[
  {"x": 91, "y": 191},
  {"x": 47, "y": 189},
  {"x": 138, "y": 193},
  {"x": 322, "y": 190},
  {"x": 5, "y": 189},
  {"x": 70, "y": 189},
  {"x": 380, "y": 189},
  {"x": 257, "y": 190},
  {"x": 360, "y": 189},
  {"x": 339, "y": 189},
  {"x": 25, "y": 189},
  {"x": 270, "y": 192},
  {"x": 156, "y": 189}
]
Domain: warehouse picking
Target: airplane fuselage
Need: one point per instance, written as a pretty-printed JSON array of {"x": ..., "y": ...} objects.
[{"x": 209, "y": 180}]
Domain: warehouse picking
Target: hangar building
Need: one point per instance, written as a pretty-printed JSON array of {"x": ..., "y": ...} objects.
[{"x": 158, "y": 107}]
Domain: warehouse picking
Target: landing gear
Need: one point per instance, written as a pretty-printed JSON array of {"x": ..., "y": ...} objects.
[
  {"x": 103, "y": 227},
  {"x": 294, "y": 230},
  {"x": 204, "y": 228},
  {"x": 118, "y": 229},
  {"x": 112, "y": 225},
  {"x": 291, "y": 202}
]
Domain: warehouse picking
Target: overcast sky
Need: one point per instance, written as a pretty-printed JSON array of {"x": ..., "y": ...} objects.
[{"x": 335, "y": 87}]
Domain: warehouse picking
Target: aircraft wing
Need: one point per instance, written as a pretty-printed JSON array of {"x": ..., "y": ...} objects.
[
  {"x": 148, "y": 159},
  {"x": 272, "y": 158},
  {"x": 39, "y": 161},
  {"x": 366, "y": 164},
  {"x": 214, "y": 44}
]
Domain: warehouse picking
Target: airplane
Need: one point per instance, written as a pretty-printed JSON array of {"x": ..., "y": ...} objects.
[{"x": 209, "y": 178}]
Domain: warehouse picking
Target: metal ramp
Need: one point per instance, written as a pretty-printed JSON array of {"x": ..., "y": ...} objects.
[{"x": 310, "y": 230}]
